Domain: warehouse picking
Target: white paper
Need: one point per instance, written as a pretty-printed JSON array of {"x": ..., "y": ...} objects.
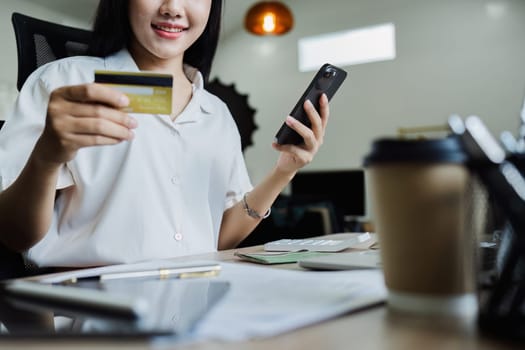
[{"x": 266, "y": 301}]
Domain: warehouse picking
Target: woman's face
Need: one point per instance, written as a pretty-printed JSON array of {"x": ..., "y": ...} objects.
[{"x": 164, "y": 29}]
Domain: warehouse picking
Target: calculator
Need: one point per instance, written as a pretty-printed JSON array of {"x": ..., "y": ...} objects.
[{"x": 315, "y": 244}]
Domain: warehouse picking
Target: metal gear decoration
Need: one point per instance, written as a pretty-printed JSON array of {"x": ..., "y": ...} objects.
[{"x": 242, "y": 112}]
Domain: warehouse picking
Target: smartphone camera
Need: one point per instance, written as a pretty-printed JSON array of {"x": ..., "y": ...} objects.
[{"x": 329, "y": 73}]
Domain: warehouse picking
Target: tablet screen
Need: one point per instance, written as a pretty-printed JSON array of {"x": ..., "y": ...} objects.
[{"x": 173, "y": 308}]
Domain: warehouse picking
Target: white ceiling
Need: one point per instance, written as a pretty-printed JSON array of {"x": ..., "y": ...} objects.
[{"x": 234, "y": 11}]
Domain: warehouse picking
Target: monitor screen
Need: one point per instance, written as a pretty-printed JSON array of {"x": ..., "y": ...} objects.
[{"x": 344, "y": 188}]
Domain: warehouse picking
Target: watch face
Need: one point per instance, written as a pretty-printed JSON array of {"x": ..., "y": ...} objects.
[{"x": 174, "y": 306}]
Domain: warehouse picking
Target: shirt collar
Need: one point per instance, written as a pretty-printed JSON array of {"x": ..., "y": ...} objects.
[
  {"x": 199, "y": 93},
  {"x": 123, "y": 61}
]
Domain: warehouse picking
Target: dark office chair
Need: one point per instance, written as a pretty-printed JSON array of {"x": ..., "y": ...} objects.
[
  {"x": 39, "y": 42},
  {"x": 11, "y": 264}
]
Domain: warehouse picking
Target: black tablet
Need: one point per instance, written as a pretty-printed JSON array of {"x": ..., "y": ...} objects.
[{"x": 115, "y": 309}]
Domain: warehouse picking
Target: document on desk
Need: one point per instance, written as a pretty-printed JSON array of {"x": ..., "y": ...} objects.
[{"x": 266, "y": 301}]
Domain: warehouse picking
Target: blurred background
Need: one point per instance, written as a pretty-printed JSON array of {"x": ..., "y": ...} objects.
[{"x": 463, "y": 57}]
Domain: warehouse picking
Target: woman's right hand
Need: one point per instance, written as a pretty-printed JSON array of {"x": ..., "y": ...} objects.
[{"x": 81, "y": 116}]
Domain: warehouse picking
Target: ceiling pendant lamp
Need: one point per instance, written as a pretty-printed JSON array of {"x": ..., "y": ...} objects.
[{"x": 268, "y": 18}]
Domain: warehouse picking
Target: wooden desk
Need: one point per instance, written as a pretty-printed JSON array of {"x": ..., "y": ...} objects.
[{"x": 373, "y": 328}]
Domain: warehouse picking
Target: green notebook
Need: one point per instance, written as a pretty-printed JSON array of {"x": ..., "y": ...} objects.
[{"x": 270, "y": 258}]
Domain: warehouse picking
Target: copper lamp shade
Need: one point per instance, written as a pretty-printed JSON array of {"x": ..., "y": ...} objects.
[{"x": 268, "y": 18}]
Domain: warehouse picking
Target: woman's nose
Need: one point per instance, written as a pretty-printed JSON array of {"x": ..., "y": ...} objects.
[{"x": 172, "y": 8}]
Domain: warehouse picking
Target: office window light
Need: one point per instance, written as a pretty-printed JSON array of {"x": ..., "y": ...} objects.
[{"x": 363, "y": 45}]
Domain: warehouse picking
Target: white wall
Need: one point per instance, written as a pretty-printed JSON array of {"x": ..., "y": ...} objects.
[
  {"x": 454, "y": 56},
  {"x": 8, "y": 66}
]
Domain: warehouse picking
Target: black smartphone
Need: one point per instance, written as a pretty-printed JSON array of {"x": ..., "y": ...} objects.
[{"x": 327, "y": 80}]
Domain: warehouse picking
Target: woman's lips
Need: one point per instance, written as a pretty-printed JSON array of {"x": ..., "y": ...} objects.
[{"x": 168, "y": 31}]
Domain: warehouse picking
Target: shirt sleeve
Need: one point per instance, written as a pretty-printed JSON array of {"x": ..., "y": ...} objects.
[
  {"x": 239, "y": 182},
  {"x": 24, "y": 125}
]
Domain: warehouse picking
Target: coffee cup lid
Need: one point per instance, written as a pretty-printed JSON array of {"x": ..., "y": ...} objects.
[{"x": 445, "y": 150}]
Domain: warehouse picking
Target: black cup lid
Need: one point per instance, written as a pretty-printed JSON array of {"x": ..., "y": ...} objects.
[{"x": 445, "y": 150}]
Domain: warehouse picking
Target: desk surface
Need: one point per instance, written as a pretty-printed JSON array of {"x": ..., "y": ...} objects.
[{"x": 373, "y": 328}]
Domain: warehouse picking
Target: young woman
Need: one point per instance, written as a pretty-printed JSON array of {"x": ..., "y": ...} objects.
[{"x": 85, "y": 184}]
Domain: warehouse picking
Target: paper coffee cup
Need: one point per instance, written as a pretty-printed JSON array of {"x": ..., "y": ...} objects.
[{"x": 420, "y": 199}]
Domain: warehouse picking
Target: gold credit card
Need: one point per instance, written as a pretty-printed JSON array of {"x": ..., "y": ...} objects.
[{"x": 148, "y": 92}]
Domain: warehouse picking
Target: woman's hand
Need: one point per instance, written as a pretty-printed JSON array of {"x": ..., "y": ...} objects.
[
  {"x": 81, "y": 116},
  {"x": 294, "y": 157}
]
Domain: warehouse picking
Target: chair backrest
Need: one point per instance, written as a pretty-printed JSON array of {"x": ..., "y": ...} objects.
[{"x": 39, "y": 42}]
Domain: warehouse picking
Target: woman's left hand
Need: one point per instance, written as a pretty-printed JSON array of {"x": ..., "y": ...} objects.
[{"x": 294, "y": 157}]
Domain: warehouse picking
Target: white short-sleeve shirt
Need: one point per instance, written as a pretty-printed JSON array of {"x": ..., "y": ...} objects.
[{"x": 161, "y": 195}]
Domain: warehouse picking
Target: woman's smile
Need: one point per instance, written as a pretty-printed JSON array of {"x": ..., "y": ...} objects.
[{"x": 168, "y": 30}]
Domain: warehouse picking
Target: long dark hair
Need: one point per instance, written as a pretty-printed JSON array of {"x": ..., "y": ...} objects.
[{"x": 112, "y": 32}]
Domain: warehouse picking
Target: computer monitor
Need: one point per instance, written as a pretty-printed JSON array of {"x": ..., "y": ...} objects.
[{"x": 345, "y": 189}]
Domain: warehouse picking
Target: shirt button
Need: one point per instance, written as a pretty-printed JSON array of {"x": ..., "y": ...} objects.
[
  {"x": 177, "y": 236},
  {"x": 175, "y": 180}
]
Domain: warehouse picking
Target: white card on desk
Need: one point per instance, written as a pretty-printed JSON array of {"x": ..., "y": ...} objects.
[
  {"x": 369, "y": 259},
  {"x": 316, "y": 244}
]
